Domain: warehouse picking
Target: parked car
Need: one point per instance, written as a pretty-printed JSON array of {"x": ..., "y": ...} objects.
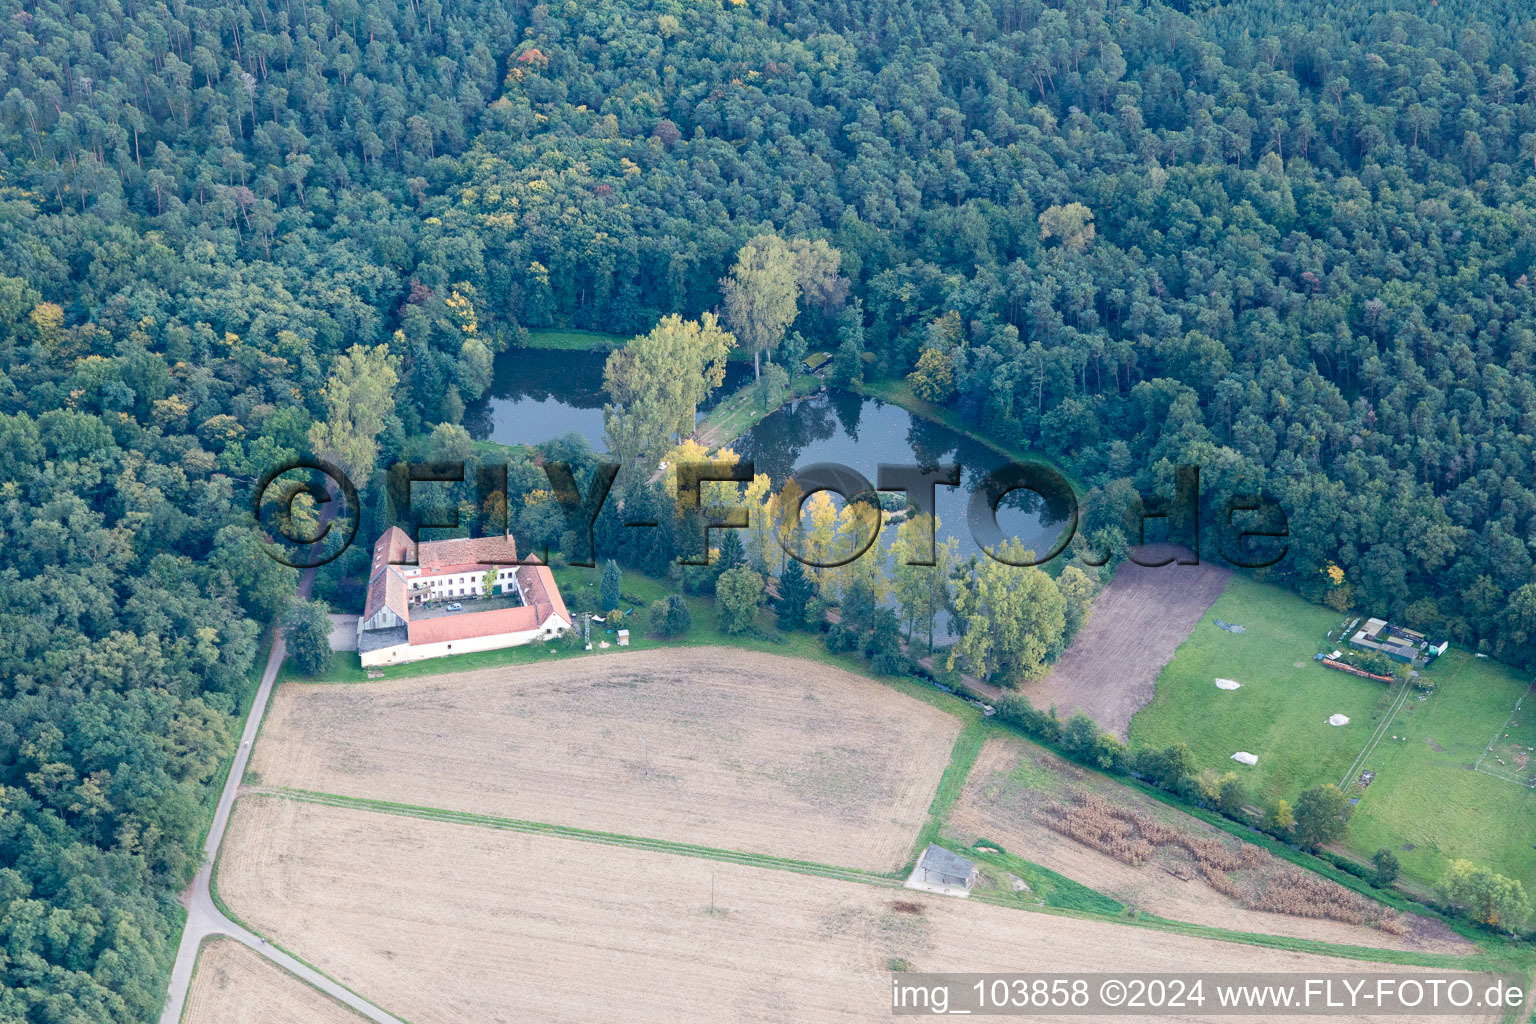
[{"x": 456, "y": 607}]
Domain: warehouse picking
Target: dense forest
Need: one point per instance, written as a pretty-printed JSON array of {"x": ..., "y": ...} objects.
[{"x": 1290, "y": 243}]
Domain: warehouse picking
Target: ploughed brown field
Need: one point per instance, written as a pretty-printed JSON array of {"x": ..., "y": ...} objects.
[
  {"x": 234, "y": 985},
  {"x": 458, "y": 924},
  {"x": 1157, "y": 859},
  {"x": 1138, "y": 621},
  {"x": 709, "y": 746}
]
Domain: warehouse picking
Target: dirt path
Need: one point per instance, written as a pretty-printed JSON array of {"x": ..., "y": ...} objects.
[{"x": 1138, "y": 621}]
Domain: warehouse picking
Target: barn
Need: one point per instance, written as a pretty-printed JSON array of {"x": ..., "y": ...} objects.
[{"x": 945, "y": 867}]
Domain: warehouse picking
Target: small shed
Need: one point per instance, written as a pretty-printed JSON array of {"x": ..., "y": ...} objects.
[
  {"x": 816, "y": 362},
  {"x": 623, "y": 638},
  {"x": 943, "y": 867}
]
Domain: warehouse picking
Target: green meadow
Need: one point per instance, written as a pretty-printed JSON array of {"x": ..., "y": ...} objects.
[
  {"x": 1425, "y": 801},
  {"x": 1280, "y": 713},
  {"x": 1425, "y": 794},
  {"x": 571, "y": 339}
]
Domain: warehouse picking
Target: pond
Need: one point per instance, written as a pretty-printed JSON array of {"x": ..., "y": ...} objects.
[
  {"x": 541, "y": 394},
  {"x": 861, "y": 433}
]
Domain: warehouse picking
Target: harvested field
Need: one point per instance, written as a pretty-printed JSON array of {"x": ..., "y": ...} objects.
[
  {"x": 454, "y": 924},
  {"x": 1156, "y": 859},
  {"x": 710, "y": 746},
  {"x": 1138, "y": 621},
  {"x": 234, "y": 985}
]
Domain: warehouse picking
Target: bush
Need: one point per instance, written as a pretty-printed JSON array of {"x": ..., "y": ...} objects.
[
  {"x": 1280, "y": 820},
  {"x": 669, "y": 616},
  {"x": 1041, "y": 725},
  {"x": 1348, "y": 865},
  {"x": 1166, "y": 768},
  {"x": 1321, "y": 814},
  {"x": 1079, "y": 736},
  {"x": 1387, "y": 868},
  {"x": 738, "y": 595},
  {"x": 1231, "y": 795},
  {"x": 841, "y": 639},
  {"x": 1110, "y": 754}
]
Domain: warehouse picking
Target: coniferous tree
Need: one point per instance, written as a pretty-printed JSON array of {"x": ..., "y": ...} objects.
[{"x": 795, "y": 590}]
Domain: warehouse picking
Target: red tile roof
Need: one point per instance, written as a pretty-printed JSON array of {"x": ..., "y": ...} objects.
[
  {"x": 539, "y": 588},
  {"x": 466, "y": 551},
  {"x": 386, "y": 588},
  {"x": 392, "y": 548},
  {"x": 474, "y": 624}
]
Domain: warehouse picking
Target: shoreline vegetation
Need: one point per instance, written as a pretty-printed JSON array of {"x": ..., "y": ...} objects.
[{"x": 739, "y": 412}]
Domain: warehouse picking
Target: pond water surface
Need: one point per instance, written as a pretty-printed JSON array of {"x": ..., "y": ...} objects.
[{"x": 541, "y": 394}]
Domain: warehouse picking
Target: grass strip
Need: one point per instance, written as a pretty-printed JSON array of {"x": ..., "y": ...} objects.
[
  {"x": 737, "y": 413},
  {"x": 588, "y": 835},
  {"x": 962, "y": 759},
  {"x": 575, "y": 339},
  {"x": 1046, "y": 887}
]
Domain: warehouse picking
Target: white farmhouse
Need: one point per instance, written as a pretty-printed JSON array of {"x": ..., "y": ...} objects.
[{"x": 435, "y": 603}]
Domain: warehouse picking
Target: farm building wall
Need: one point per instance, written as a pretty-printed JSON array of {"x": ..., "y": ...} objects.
[{"x": 401, "y": 654}]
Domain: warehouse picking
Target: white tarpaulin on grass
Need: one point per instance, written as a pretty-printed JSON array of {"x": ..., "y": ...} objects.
[
  {"x": 1245, "y": 757},
  {"x": 1338, "y": 720},
  {"x": 1228, "y": 684}
]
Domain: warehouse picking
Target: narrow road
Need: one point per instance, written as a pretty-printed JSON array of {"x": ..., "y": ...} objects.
[{"x": 204, "y": 918}]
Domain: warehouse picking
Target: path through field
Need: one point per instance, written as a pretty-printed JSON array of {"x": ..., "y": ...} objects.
[{"x": 1376, "y": 735}]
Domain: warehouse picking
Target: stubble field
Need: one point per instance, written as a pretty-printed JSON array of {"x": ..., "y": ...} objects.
[
  {"x": 456, "y": 924},
  {"x": 714, "y": 747},
  {"x": 234, "y": 985}
]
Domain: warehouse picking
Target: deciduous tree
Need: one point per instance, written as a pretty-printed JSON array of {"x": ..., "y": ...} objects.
[
  {"x": 1485, "y": 896},
  {"x": 1012, "y": 618},
  {"x": 738, "y": 596},
  {"x": 307, "y": 634},
  {"x": 1322, "y": 814},
  {"x": 656, "y": 382},
  {"x": 359, "y": 399}
]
